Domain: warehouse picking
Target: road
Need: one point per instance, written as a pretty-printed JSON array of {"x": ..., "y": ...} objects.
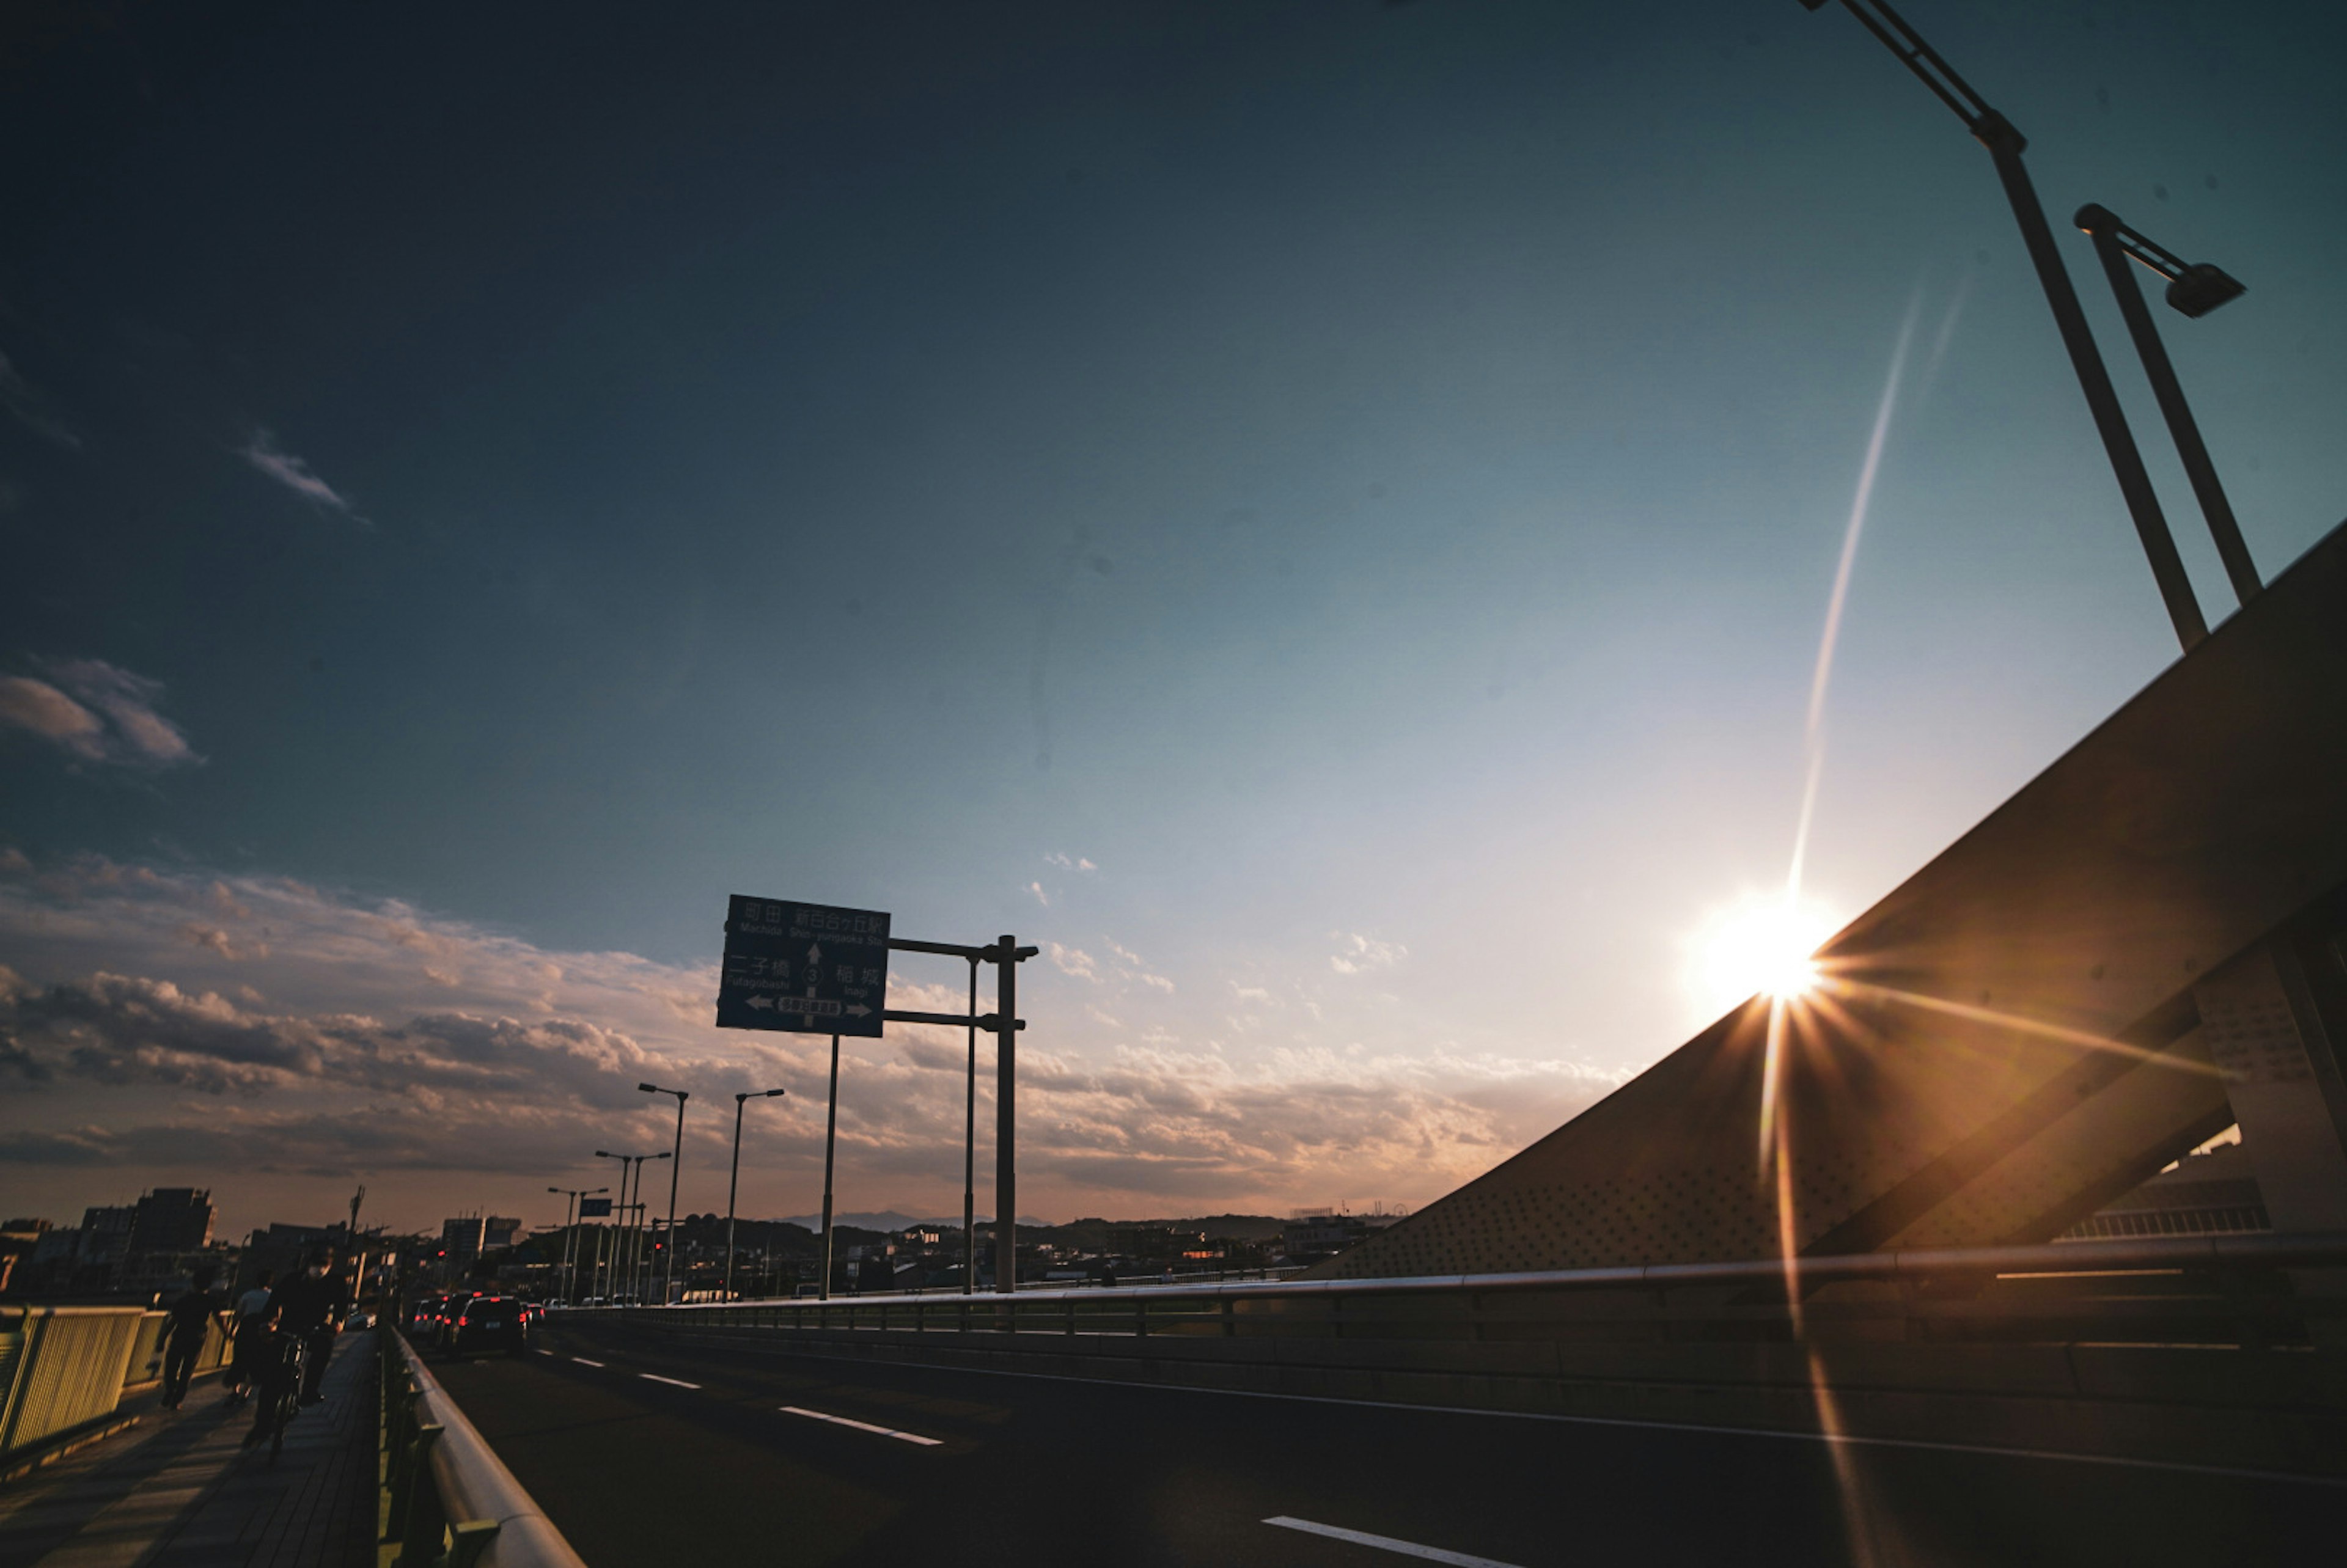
[{"x": 644, "y": 1452}]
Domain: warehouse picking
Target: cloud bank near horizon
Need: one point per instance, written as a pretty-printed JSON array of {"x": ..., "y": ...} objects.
[{"x": 221, "y": 1029}]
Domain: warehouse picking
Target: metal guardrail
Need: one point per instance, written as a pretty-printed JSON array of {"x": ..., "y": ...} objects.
[
  {"x": 453, "y": 1504},
  {"x": 1942, "y": 1284},
  {"x": 66, "y": 1367}
]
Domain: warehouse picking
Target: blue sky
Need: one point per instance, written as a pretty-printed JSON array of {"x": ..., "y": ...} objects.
[{"x": 1320, "y": 516}]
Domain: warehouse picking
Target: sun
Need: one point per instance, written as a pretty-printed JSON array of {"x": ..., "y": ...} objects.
[{"x": 1764, "y": 944}]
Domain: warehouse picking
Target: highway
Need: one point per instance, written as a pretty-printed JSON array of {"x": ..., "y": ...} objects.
[{"x": 644, "y": 1452}]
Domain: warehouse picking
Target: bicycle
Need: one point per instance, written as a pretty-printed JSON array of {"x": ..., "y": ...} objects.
[{"x": 281, "y": 1392}]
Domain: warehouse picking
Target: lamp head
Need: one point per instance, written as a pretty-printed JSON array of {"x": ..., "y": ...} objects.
[
  {"x": 649, "y": 1088},
  {"x": 605, "y": 1155},
  {"x": 2202, "y": 289},
  {"x": 770, "y": 1093}
]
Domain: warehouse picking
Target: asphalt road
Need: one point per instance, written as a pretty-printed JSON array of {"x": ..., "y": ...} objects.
[{"x": 746, "y": 1459}]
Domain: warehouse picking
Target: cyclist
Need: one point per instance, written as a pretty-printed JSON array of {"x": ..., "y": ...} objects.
[{"x": 312, "y": 1306}]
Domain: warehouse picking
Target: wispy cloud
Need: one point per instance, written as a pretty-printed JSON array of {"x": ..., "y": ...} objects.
[
  {"x": 97, "y": 712},
  {"x": 1067, "y": 864},
  {"x": 1040, "y": 896},
  {"x": 1074, "y": 961},
  {"x": 1357, "y": 955},
  {"x": 295, "y": 474},
  {"x": 31, "y": 408}
]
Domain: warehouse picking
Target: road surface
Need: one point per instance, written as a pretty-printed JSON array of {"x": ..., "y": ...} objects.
[{"x": 646, "y": 1452}]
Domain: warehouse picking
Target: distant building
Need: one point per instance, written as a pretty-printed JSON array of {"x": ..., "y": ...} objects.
[
  {"x": 497, "y": 1231},
  {"x": 461, "y": 1239},
  {"x": 106, "y": 1235},
  {"x": 172, "y": 1219}
]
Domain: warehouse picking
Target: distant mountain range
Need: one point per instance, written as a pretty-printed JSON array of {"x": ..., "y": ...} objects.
[
  {"x": 890, "y": 1220},
  {"x": 1254, "y": 1227}
]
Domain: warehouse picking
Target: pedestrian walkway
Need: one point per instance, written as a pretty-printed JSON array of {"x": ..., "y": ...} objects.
[{"x": 180, "y": 1491}]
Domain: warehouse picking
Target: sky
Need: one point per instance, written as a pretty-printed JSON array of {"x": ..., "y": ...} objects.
[{"x": 1318, "y": 516}]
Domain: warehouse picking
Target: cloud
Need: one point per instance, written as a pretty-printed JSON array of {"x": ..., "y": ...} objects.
[
  {"x": 31, "y": 409},
  {"x": 96, "y": 711},
  {"x": 295, "y": 474},
  {"x": 227, "y": 1027},
  {"x": 1357, "y": 955},
  {"x": 1136, "y": 970},
  {"x": 1074, "y": 961},
  {"x": 1064, "y": 864},
  {"x": 1040, "y": 896}
]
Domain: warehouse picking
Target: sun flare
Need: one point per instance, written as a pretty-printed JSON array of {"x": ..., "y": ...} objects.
[{"x": 1762, "y": 944}]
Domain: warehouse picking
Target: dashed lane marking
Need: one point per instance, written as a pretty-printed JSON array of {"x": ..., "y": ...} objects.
[
  {"x": 584, "y": 1362},
  {"x": 864, "y": 1427},
  {"x": 671, "y": 1382},
  {"x": 1385, "y": 1543}
]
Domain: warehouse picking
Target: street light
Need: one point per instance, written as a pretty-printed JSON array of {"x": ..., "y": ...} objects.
[
  {"x": 2004, "y": 145},
  {"x": 734, "y": 1186},
  {"x": 668, "y": 1281},
  {"x": 2195, "y": 289},
  {"x": 629, "y": 1162},
  {"x": 570, "y": 1238}
]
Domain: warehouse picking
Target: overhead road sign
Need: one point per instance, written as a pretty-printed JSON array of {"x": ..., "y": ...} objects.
[
  {"x": 809, "y": 969},
  {"x": 594, "y": 1208}
]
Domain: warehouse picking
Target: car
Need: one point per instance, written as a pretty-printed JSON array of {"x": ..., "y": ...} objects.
[
  {"x": 485, "y": 1323},
  {"x": 358, "y": 1321}
]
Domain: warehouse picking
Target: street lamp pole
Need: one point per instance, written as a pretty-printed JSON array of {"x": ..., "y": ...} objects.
[
  {"x": 734, "y": 1186},
  {"x": 667, "y": 1279},
  {"x": 2005, "y": 145},
  {"x": 570, "y": 1244},
  {"x": 830, "y": 1142},
  {"x": 970, "y": 1150},
  {"x": 2195, "y": 289},
  {"x": 626, "y": 1257}
]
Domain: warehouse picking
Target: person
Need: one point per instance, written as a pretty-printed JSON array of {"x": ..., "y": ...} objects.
[
  {"x": 252, "y": 1328},
  {"x": 185, "y": 1325},
  {"x": 310, "y": 1307}
]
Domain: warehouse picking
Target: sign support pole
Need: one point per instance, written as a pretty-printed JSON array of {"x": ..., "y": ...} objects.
[
  {"x": 970, "y": 1150},
  {"x": 1006, "y": 1099},
  {"x": 830, "y": 1141}
]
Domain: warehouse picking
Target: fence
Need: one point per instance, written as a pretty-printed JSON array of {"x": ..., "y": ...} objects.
[
  {"x": 450, "y": 1501},
  {"x": 64, "y": 1368}
]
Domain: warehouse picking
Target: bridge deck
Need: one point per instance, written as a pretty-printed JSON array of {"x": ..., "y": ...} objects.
[
  {"x": 179, "y": 1491},
  {"x": 645, "y": 1450}
]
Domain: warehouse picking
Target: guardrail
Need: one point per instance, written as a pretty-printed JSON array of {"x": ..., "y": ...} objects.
[
  {"x": 1940, "y": 1291},
  {"x": 2220, "y": 1350},
  {"x": 64, "y": 1370},
  {"x": 452, "y": 1504}
]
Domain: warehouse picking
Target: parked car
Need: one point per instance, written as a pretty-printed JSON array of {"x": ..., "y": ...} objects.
[{"x": 485, "y": 1323}]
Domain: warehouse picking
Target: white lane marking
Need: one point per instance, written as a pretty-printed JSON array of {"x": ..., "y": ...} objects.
[
  {"x": 1832, "y": 1440},
  {"x": 671, "y": 1382},
  {"x": 864, "y": 1427},
  {"x": 584, "y": 1362},
  {"x": 1387, "y": 1543},
  {"x": 544, "y": 1351}
]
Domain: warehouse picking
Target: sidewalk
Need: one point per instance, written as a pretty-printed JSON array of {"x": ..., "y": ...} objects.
[{"x": 180, "y": 1492}]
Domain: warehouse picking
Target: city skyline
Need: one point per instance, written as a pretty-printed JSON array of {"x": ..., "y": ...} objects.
[{"x": 1322, "y": 521}]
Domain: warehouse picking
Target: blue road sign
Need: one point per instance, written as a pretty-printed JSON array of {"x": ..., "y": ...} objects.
[
  {"x": 807, "y": 968},
  {"x": 594, "y": 1208}
]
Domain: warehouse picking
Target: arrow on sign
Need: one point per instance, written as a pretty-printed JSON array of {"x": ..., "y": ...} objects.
[
  {"x": 815, "y": 953},
  {"x": 858, "y": 1009},
  {"x": 759, "y": 1002}
]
